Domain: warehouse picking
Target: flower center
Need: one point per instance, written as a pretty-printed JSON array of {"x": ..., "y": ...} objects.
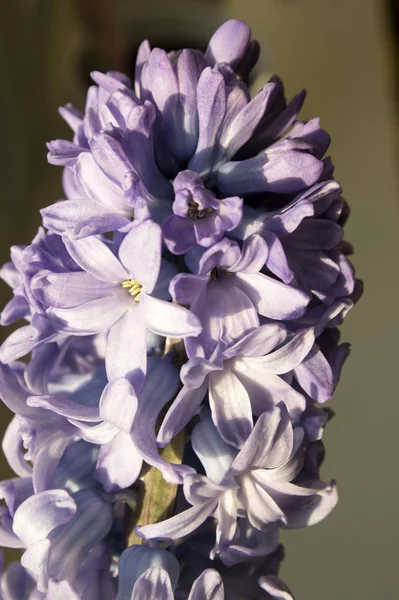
[
  {"x": 133, "y": 287},
  {"x": 193, "y": 211}
]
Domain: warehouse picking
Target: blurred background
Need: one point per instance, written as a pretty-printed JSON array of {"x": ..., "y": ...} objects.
[{"x": 345, "y": 53}]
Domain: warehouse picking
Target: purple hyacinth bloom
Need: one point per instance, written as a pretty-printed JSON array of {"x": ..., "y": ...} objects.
[
  {"x": 242, "y": 379},
  {"x": 256, "y": 481},
  {"x": 59, "y": 530},
  {"x": 199, "y": 217},
  {"x": 146, "y": 572},
  {"x": 230, "y": 289},
  {"x": 303, "y": 236},
  {"x": 121, "y": 420},
  {"x": 118, "y": 295}
]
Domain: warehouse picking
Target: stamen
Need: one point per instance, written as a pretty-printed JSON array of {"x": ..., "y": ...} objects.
[
  {"x": 193, "y": 211},
  {"x": 134, "y": 288}
]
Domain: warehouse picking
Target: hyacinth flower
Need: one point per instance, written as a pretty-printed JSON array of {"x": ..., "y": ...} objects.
[{"x": 181, "y": 308}]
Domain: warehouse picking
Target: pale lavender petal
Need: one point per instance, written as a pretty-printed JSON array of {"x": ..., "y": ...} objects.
[
  {"x": 126, "y": 353},
  {"x": 231, "y": 407},
  {"x": 119, "y": 463},
  {"x": 275, "y": 588},
  {"x": 12, "y": 448},
  {"x": 169, "y": 320},
  {"x": 96, "y": 185},
  {"x": 208, "y": 586},
  {"x": 215, "y": 455},
  {"x": 258, "y": 342},
  {"x": 180, "y": 413},
  {"x": 140, "y": 253},
  {"x": 179, "y": 525},
  {"x": 287, "y": 357},
  {"x": 266, "y": 390},
  {"x": 260, "y": 507},
  {"x": 94, "y": 257},
  {"x": 68, "y": 290},
  {"x": 35, "y": 518},
  {"x": 118, "y": 404},
  {"x": 153, "y": 583},
  {"x": 92, "y": 317},
  {"x": 270, "y": 443},
  {"x": 272, "y": 298},
  {"x": 66, "y": 407}
]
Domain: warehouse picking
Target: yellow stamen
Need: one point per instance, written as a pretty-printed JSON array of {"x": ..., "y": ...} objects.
[{"x": 134, "y": 288}]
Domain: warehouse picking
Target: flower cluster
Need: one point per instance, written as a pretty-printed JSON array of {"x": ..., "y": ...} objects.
[{"x": 181, "y": 311}]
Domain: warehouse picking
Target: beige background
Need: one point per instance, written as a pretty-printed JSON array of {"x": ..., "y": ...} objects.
[{"x": 339, "y": 50}]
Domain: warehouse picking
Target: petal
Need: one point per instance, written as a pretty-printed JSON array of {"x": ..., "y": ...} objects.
[
  {"x": 153, "y": 583},
  {"x": 272, "y": 298},
  {"x": 270, "y": 443},
  {"x": 180, "y": 525},
  {"x": 87, "y": 319},
  {"x": 254, "y": 255},
  {"x": 136, "y": 560},
  {"x": 66, "y": 407},
  {"x": 161, "y": 385},
  {"x": 230, "y": 406},
  {"x": 96, "y": 185},
  {"x": 94, "y": 257},
  {"x": 315, "y": 376},
  {"x": 208, "y": 586},
  {"x": 12, "y": 448},
  {"x": 68, "y": 290},
  {"x": 285, "y": 358},
  {"x": 181, "y": 412},
  {"x": 266, "y": 390},
  {"x": 260, "y": 507},
  {"x": 126, "y": 353},
  {"x": 118, "y": 404},
  {"x": 215, "y": 455},
  {"x": 258, "y": 342},
  {"x": 140, "y": 253},
  {"x": 229, "y": 43},
  {"x": 119, "y": 463},
  {"x": 35, "y": 518},
  {"x": 275, "y": 588},
  {"x": 169, "y": 320}
]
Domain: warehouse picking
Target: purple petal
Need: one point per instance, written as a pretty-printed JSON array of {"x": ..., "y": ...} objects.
[
  {"x": 229, "y": 43},
  {"x": 12, "y": 448},
  {"x": 315, "y": 376},
  {"x": 286, "y": 173},
  {"x": 211, "y": 102}
]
